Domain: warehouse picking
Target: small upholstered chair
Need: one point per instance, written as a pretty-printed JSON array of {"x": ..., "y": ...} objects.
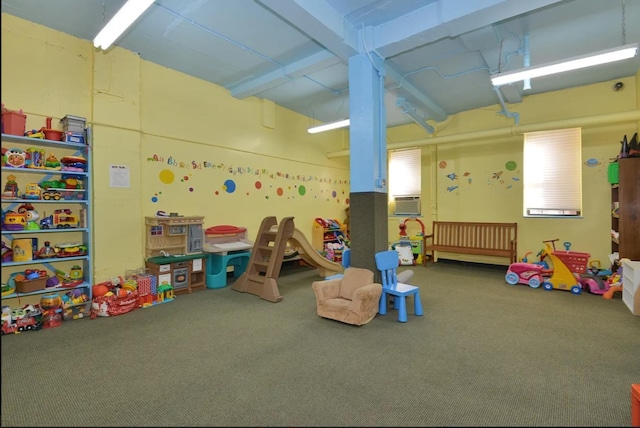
[
  {"x": 387, "y": 263},
  {"x": 352, "y": 299}
]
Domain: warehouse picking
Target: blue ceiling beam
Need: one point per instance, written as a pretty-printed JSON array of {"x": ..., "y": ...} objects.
[
  {"x": 320, "y": 21},
  {"x": 435, "y": 21},
  {"x": 445, "y": 18},
  {"x": 411, "y": 111},
  {"x": 275, "y": 78},
  {"x": 434, "y": 111}
]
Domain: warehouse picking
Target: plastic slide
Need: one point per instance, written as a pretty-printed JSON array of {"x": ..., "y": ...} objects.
[{"x": 311, "y": 256}]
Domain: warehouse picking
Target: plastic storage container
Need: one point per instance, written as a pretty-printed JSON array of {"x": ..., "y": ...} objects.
[
  {"x": 13, "y": 122},
  {"x": 73, "y": 124}
]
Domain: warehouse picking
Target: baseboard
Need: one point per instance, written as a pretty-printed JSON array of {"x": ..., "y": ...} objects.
[{"x": 452, "y": 262}]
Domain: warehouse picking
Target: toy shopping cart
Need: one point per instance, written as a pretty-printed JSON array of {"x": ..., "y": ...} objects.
[
  {"x": 567, "y": 267},
  {"x": 574, "y": 260}
]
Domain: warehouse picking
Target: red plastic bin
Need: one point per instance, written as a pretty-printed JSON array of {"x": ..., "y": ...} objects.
[{"x": 13, "y": 122}]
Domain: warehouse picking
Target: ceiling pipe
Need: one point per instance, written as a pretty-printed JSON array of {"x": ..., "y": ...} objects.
[
  {"x": 408, "y": 109},
  {"x": 505, "y": 110},
  {"x": 603, "y": 119}
]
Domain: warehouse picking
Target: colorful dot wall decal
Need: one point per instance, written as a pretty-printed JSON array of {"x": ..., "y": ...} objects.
[
  {"x": 185, "y": 178},
  {"x": 229, "y": 186},
  {"x": 166, "y": 176},
  {"x": 302, "y": 190},
  {"x": 191, "y": 189},
  {"x": 511, "y": 165},
  {"x": 154, "y": 199},
  {"x": 279, "y": 191},
  {"x": 334, "y": 194},
  {"x": 258, "y": 185},
  {"x": 442, "y": 164}
]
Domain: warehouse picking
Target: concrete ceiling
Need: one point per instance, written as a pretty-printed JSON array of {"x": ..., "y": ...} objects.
[{"x": 439, "y": 54}]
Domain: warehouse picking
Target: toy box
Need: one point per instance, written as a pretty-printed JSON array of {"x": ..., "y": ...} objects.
[
  {"x": 31, "y": 285},
  {"x": 13, "y": 122}
]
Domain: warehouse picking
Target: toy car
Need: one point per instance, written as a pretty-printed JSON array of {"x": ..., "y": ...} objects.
[
  {"x": 51, "y": 194},
  {"x": 593, "y": 284},
  {"x": 524, "y": 273}
]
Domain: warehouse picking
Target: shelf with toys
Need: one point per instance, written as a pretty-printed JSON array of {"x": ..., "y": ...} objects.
[
  {"x": 329, "y": 238},
  {"x": 46, "y": 225}
]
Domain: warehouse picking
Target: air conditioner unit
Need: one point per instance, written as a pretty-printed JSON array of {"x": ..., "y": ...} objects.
[{"x": 407, "y": 205}]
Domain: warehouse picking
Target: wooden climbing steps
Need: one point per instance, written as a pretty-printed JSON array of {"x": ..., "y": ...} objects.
[{"x": 263, "y": 270}]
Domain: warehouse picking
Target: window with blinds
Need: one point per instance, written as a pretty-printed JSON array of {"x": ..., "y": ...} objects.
[
  {"x": 552, "y": 179},
  {"x": 405, "y": 180}
]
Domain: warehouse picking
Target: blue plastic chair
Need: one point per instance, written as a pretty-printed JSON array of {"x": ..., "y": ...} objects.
[
  {"x": 346, "y": 262},
  {"x": 387, "y": 263}
]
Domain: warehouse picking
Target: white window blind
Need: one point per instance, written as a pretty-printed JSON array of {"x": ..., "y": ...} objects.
[
  {"x": 404, "y": 172},
  {"x": 553, "y": 173}
]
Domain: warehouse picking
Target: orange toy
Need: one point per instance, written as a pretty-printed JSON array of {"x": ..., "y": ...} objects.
[
  {"x": 99, "y": 290},
  {"x": 609, "y": 293},
  {"x": 615, "y": 282}
]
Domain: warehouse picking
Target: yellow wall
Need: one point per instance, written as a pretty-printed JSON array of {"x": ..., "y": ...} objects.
[
  {"x": 140, "y": 111},
  {"x": 469, "y": 179},
  {"x": 183, "y": 139}
]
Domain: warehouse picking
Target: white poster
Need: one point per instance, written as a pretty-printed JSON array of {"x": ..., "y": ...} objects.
[{"x": 119, "y": 176}]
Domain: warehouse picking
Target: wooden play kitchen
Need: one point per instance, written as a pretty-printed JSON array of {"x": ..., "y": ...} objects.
[
  {"x": 174, "y": 251},
  {"x": 184, "y": 273}
]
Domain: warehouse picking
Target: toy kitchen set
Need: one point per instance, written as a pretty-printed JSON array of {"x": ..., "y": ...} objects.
[{"x": 174, "y": 251}]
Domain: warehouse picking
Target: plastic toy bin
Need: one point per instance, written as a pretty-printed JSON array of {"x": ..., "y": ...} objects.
[
  {"x": 13, "y": 122},
  {"x": 31, "y": 285}
]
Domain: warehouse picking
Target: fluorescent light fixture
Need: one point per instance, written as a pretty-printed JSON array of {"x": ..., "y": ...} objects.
[
  {"x": 128, "y": 13},
  {"x": 329, "y": 126},
  {"x": 597, "y": 58}
]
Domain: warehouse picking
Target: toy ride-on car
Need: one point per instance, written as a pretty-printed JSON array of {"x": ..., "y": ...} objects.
[{"x": 524, "y": 273}]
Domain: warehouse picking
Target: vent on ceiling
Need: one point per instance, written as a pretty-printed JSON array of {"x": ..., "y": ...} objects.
[{"x": 407, "y": 205}]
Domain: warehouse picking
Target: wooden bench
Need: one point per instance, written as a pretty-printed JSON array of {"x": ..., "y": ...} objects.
[{"x": 486, "y": 239}]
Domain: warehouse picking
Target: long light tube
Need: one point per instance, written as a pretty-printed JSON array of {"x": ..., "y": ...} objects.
[
  {"x": 328, "y": 126},
  {"x": 597, "y": 58},
  {"x": 127, "y": 14}
]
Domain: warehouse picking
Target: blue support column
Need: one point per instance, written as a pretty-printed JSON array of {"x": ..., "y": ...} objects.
[
  {"x": 367, "y": 130},
  {"x": 368, "y": 160}
]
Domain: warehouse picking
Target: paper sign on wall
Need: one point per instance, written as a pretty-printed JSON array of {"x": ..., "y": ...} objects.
[{"x": 119, "y": 176}]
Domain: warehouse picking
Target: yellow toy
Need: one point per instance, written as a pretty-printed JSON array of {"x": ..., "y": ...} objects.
[{"x": 562, "y": 277}]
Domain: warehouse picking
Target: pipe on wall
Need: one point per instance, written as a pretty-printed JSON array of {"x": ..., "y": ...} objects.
[{"x": 603, "y": 119}]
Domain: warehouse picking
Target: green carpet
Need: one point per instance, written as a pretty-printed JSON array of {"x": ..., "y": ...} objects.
[{"x": 485, "y": 353}]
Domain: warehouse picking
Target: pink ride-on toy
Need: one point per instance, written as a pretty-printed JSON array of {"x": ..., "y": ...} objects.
[
  {"x": 524, "y": 273},
  {"x": 593, "y": 284}
]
